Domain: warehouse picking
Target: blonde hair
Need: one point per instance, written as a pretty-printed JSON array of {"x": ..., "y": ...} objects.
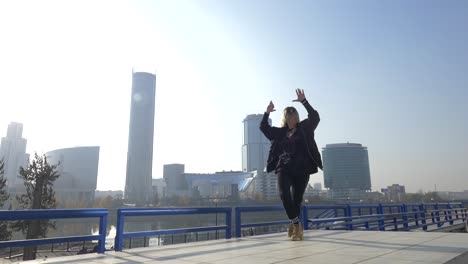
[{"x": 289, "y": 112}]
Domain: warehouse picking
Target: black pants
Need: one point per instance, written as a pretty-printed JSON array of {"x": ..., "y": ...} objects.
[{"x": 292, "y": 186}]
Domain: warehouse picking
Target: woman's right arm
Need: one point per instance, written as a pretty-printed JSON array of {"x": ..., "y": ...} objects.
[{"x": 269, "y": 131}]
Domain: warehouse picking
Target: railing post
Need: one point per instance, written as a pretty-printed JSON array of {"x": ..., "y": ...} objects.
[
  {"x": 305, "y": 218},
  {"x": 382, "y": 221},
  {"x": 119, "y": 231},
  {"x": 445, "y": 218},
  {"x": 238, "y": 222},
  {"x": 228, "y": 223},
  {"x": 102, "y": 233},
  {"x": 404, "y": 210},
  {"x": 416, "y": 217},
  {"x": 456, "y": 212},
  {"x": 349, "y": 213},
  {"x": 436, "y": 207},
  {"x": 450, "y": 208},
  {"x": 422, "y": 208}
]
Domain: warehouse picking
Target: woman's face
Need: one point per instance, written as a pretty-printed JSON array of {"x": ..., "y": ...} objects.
[
  {"x": 292, "y": 117},
  {"x": 292, "y": 121}
]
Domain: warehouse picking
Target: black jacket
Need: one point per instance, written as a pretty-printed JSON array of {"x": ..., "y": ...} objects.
[{"x": 306, "y": 127}]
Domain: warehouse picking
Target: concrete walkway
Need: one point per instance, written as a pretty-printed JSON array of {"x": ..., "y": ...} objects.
[{"x": 364, "y": 247}]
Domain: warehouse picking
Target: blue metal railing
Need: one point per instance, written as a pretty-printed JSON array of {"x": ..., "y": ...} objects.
[
  {"x": 338, "y": 210},
  {"x": 246, "y": 209},
  {"x": 57, "y": 214},
  {"x": 381, "y": 217},
  {"x": 326, "y": 214},
  {"x": 122, "y": 213},
  {"x": 367, "y": 216}
]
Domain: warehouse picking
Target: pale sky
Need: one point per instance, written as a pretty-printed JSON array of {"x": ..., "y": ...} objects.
[{"x": 391, "y": 75}]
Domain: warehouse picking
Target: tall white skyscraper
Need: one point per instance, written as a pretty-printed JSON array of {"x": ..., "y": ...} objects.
[
  {"x": 255, "y": 151},
  {"x": 13, "y": 153},
  {"x": 256, "y": 146},
  {"x": 140, "y": 139}
]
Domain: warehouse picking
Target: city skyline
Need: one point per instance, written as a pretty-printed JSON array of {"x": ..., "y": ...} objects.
[{"x": 387, "y": 75}]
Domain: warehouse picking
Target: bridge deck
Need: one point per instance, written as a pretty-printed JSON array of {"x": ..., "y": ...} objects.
[{"x": 364, "y": 247}]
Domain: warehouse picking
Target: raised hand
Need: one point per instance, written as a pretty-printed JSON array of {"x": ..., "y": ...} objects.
[
  {"x": 270, "y": 107},
  {"x": 300, "y": 95}
]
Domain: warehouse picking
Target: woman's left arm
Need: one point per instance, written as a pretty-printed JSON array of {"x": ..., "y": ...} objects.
[{"x": 313, "y": 115}]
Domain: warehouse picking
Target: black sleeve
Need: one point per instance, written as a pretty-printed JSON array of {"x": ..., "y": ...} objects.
[
  {"x": 313, "y": 115},
  {"x": 269, "y": 131}
]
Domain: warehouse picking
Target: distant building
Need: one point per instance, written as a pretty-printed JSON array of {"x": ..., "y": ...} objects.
[
  {"x": 13, "y": 153},
  {"x": 264, "y": 186},
  {"x": 373, "y": 197},
  {"x": 317, "y": 186},
  {"x": 176, "y": 183},
  {"x": 140, "y": 140},
  {"x": 219, "y": 185},
  {"x": 255, "y": 146},
  {"x": 454, "y": 196},
  {"x": 346, "y": 171},
  {"x": 78, "y": 169},
  {"x": 394, "y": 193},
  {"x": 310, "y": 191},
  {"x": 316, "y": 191},
  {"x": 159, "y": 188},
  {"x": 113, "y": 194}
]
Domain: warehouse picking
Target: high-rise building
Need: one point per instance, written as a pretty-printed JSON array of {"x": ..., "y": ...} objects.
[
  {"x": 346, "y": 171},
  {"x": 174, "y": 177},
  {"x": 256, "y": 146},
  {"x": 140, "y": 141},
  {"x": 13, "y": 153},
  {"x": 394, "y": 193},
  {"x": 78, "y": 170},
  {"x": 255, "y": 151}
]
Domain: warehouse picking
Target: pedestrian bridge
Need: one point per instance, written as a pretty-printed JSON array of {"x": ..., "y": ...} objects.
[{"x": 319, "y": 246}]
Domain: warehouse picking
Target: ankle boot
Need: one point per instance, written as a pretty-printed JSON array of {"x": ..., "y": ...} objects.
[
  {"x": 298, "y": 233},
  {"x": 290, "y": 229}
]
